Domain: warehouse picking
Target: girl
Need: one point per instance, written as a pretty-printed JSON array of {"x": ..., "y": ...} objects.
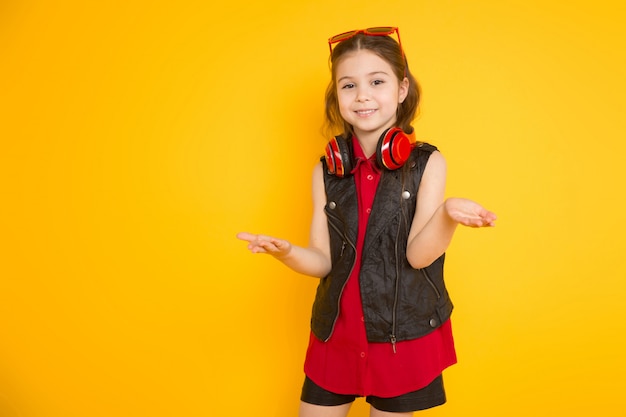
[{"x": 380, "y": 325}]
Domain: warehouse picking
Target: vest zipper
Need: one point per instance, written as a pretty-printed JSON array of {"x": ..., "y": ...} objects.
[
  {"x": 392, "y": 336},
  {"x": 343, "y": 246}
]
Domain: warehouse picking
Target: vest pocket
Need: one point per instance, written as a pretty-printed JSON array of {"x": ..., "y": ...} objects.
[
  {"x": 430, "y": 281},
  {"x": 418, "y": 296}
]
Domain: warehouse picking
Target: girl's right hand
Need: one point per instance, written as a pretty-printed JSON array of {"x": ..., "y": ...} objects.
[{"x": 278, "y": 248}]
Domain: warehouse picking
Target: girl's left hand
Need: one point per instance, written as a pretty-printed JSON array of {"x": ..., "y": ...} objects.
[{"x": 469, "y": 213}]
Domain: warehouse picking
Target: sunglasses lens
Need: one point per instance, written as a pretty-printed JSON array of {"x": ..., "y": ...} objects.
[
  {"x": 343, "y": 36},
  {"x": 386, "y": 30}
]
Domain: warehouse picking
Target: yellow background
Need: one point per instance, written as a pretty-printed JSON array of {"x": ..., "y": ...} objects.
[{"x": 137, "y": 138}]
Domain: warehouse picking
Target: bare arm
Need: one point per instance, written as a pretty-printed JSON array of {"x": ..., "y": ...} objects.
[
  {"x": 313, "y": 260},
  {"x": 436, "y": 220}
]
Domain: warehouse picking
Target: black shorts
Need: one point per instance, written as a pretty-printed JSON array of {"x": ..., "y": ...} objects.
[{"x": 430, "y": 396}]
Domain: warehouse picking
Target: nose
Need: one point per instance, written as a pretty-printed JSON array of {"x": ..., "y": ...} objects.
[{"x": 362, "y": 94}]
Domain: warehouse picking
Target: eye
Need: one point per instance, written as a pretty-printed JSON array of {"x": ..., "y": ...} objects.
[
  {"x": 347, "y": 86},
  {"x": 377, "y": 82}
]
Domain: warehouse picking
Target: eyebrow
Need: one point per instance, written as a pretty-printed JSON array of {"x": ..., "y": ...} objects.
[{"x": 369, "y": 75}]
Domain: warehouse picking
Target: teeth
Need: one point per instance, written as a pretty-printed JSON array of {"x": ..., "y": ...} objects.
[{"x": 365, "y": 112}]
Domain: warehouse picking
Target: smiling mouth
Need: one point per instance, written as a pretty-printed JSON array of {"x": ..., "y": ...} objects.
[{"x": 365, "y": 112}]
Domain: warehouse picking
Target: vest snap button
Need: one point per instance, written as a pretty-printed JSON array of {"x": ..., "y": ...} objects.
[
  {"x": 406, "y": 195},
  {"x": 433, "y": 323},
  {"x": 332, "y": 205}
]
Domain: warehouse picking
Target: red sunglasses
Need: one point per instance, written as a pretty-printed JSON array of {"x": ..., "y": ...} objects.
[{"x": 375, "y": 31}]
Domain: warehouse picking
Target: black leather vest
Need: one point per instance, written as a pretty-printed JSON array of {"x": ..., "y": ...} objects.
[{"x": 399, "y": 302}]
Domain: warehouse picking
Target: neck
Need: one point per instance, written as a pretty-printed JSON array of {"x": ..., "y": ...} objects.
[{"x": 368, "y": 142}]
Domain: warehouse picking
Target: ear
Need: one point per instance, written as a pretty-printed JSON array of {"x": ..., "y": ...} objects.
[{"x": 403, "y": 90}]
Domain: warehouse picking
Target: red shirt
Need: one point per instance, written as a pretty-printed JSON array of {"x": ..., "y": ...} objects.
[{"x": 348, "y": 363}]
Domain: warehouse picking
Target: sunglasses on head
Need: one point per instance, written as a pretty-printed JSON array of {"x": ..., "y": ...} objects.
[{"x": 375, "y": 31}]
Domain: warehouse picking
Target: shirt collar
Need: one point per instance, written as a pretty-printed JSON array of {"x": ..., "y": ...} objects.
[{"x": 359, "y": 157}]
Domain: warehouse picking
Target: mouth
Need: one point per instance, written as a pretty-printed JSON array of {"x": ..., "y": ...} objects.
[{"x": 365, "y": 113}]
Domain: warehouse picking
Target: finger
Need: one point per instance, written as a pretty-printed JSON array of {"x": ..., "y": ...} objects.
[
  {"x": 272, "y": 245},
  {"x": 486, "y": 221},
  {"x": 473, "y": 222},
  {"x": 267, "y": 245},
  {"x": 488, "y": 215},
  {"x": 260, "y": 246},
  {"x": 257, "y": 249},
  {"x": 280, "y": 244},
  {"x": 246, "y": 236},
  {"x": 489, "y": 219},
  {"x": 264, "y": 238}
]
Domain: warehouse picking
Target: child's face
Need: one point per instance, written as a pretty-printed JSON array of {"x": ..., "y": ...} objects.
[{"x": 368, "y": 93}]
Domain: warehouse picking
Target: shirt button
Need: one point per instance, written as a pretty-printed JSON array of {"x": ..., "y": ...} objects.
[
  {"x": 368, "y": 211},
  {"x": 362, "y": 318},
  {"x": 370, "y": 177},
  {"x": 362, "y": 354}
]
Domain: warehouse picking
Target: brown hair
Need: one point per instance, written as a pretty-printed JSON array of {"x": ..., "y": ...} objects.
[{"x": 389, "y": 50}]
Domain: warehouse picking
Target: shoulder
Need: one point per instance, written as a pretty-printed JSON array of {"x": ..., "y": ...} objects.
[
  {"x": 436, "y": 158},
  {"x": 319, "y": 192},
  {"x": 318, "y": 174},
  {"x": 426, "y": 156},
  {"x": 436, "y": 162},
  {"x": 319, "y": 168},
  {"x": 435, "y": 169}
]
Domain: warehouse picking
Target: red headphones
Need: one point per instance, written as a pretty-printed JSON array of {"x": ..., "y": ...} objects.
[{"x": 393, "y": 150}]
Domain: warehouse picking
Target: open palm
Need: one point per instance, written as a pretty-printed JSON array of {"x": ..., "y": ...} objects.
[{"x": 469, "y": 213}]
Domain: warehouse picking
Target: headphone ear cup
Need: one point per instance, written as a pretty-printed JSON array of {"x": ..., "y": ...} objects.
[
  {"x": 394, "y": 148},
  {"x": 338, "y": 157}
]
